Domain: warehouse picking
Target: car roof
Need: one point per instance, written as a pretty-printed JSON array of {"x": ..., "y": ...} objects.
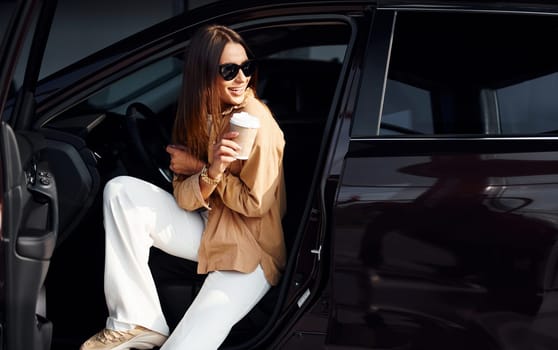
[
  {"x": 519, "y": 5},
  {"x": 480, "y": 4}
]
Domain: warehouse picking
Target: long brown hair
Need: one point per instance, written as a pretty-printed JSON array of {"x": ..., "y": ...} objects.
[{"x": 199, "y": 97}]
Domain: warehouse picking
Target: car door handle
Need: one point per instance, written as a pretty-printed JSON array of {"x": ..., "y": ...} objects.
[{"x": 37, "y": 239}]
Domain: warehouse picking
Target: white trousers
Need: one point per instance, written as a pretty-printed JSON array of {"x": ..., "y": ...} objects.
[{"x": 139, "y": 215}]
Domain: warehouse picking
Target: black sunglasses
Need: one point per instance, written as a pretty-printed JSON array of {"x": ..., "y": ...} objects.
[{"x": 229, "y": 71}]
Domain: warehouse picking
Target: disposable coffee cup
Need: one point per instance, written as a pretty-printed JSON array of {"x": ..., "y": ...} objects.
[{"x": 247, "y": 127}]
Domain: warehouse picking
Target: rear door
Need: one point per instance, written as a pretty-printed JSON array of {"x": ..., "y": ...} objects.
[
  {"x": 29, "y": 204},
  {"x": 446, "y": 216}
]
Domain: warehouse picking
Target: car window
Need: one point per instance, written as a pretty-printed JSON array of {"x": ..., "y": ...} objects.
[
  {"x": 320, "y": 53},
  {"x": 80, "y": 28},
  {"x": 530, "y": 106},
  {"x": 155, "y": 85},
  {"x": 406, "y": 109},
  {"x": 496, "y": 77},
  {"x": 6, "y": 9}
]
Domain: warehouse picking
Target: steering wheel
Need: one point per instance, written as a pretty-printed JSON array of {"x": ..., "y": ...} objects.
[{"x": 149, "y": 137}]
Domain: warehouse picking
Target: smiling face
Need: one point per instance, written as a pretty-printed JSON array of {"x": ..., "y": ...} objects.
[{"x": 232, "y": 92}]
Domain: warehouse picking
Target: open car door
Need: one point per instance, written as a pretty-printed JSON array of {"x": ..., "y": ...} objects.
[{"x": 29, "y": 221}]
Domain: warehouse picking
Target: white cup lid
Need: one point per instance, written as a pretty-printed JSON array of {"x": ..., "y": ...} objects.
[{"x": 245, "y": 120}]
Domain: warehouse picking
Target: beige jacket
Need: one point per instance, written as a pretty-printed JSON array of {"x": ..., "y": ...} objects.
[{"x": 245, "y": 209}]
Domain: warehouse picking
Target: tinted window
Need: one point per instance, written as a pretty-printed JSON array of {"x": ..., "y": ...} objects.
[
  {"x": 530, "y": 106},
  {"x": 81, "y": 28},
  {"x": 406, "y": 109},
  {"x": 6, "y": 8},
  {"x": 321, "y": 53},
  {"x": 156, "y": 85},
  {"x": 491, "y": 74},
  {"x": 299, "y": 66}
]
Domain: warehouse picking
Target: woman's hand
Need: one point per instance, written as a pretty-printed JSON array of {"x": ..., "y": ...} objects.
[
  {"x": 224, "y": 153},
  {"x": 182, "y": 162}
]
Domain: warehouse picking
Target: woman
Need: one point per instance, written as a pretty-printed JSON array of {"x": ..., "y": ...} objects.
[{"x": 225, "y": 213}]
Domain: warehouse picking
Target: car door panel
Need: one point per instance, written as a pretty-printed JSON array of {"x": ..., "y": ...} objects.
[
  {"x": 29, "y": 198},
  {"x": 444, "y": 237},
  {"x": 453, "y": 246},
  {"x": 39, "y": 229},
  {"x": 29, "y": 230}
]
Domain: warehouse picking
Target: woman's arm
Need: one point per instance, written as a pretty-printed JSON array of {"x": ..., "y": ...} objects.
[
  {"x": 254, "y": 191},
  {"x": 192, "y": 192},
  {"x": 224, "y": 153}
]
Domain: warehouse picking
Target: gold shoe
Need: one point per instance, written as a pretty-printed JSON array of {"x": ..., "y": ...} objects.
[{"x": 137, "y": 338}]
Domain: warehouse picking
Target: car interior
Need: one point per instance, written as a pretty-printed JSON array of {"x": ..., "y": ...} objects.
[{"x": 123, "y": 129}]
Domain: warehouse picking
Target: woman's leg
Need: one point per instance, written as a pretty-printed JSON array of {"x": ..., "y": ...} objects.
[
  {"x": 138, "y": 215},
  {"x": 224, "y": 299}
]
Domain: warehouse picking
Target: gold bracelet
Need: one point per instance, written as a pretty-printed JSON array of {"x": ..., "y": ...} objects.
[{"x": 207, "y": 179}]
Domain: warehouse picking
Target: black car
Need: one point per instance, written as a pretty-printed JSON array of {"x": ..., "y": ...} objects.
[{"x": 421, "y": 165}]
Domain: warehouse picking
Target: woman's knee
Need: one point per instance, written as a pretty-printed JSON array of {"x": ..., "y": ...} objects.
[{"x": 119, "y": 184}]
